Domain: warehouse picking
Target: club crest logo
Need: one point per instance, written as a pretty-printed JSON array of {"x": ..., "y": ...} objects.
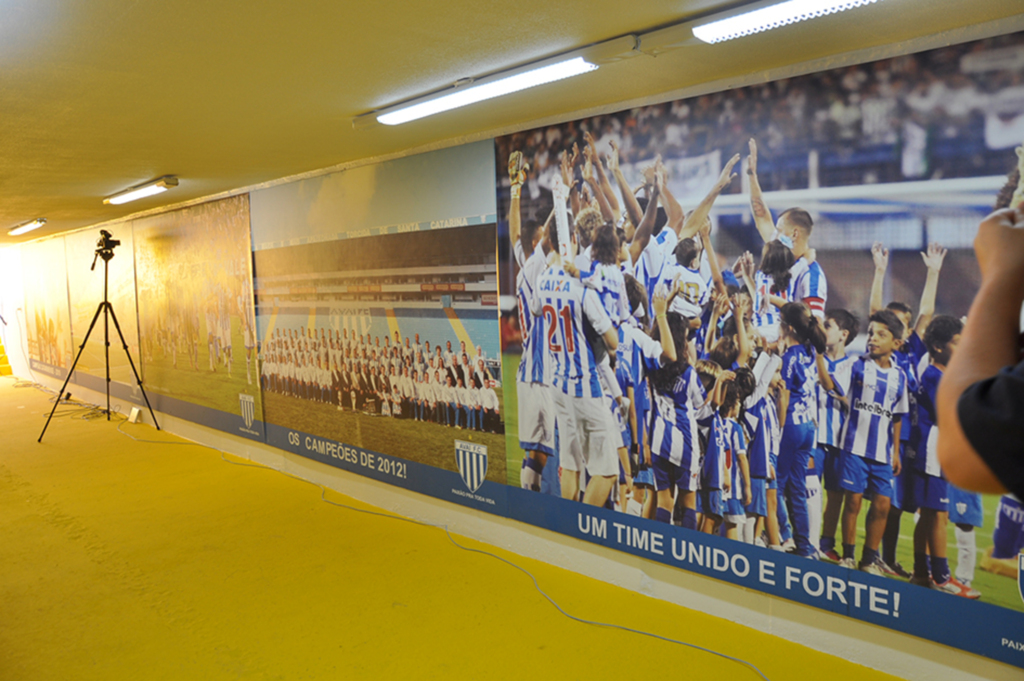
[
  {"x": 247, "y": 404},
  {"x": 1020, "y": 575},
  {"x": 472, "y": 461}
]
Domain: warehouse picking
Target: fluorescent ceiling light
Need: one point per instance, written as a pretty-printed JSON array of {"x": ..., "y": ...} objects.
[
  {"x": 470, "y": 94},
  {"x": 27, "y": 227},
  {"x": 773, "y": 16},
  {"x": 143, "y": 190}
]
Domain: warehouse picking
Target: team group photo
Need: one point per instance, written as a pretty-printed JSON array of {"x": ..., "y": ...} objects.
[{"x": 731, "y": 313}]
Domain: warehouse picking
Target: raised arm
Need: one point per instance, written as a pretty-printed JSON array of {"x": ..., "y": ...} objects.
[
  {"x": 881, "y": 257},
  {"x": 672, "y": 208},
  {"x": 660, "y": 309},
  {"x": 646, "y": 224},
  {"x": 602, "y": 178},
  {"x": 590, "y": 177},
  {"x": 762, "y": 216},
  {"x": 633, "y": 211},
  {"x": 716, "y": 271},
  {"x": 745, "y": 346},
  {"x": 699, "y": 215},
  {"x": 517, "y": 176},
  {"x": 926, "y": 310}
]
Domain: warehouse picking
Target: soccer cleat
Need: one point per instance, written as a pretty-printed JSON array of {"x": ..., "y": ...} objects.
[
  {"x": 899, "y": 571},
  {"x": 952, "y": 586},
  {"x": 789, "y": 546},
  {"x": 848, "y": 563},
  {"x": 875, "y": 567},
  {"x": 832, "y": 556}
]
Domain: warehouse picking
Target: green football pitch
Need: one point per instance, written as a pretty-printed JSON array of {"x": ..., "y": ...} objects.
[
  {"x": 995, "y": 589},
  {"x": 428, "y": 443}
]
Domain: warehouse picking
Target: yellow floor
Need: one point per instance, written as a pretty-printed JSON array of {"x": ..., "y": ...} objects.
[{"x": 121, "y": 560}]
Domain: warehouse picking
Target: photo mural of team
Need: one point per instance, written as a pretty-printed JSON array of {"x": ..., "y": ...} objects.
[
  {"x": 723, "y": 399},
  {"x": 410, "y": 380}
]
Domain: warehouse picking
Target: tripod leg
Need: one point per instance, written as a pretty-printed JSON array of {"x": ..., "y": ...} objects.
[
  {"x": 71, "y": 371},
  {"x": 138, "y": 380}
]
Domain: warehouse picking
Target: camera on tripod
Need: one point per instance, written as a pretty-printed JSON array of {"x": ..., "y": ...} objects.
[
  {"x": 105, "y": 246},
  {"x": 106, "y": 242}
]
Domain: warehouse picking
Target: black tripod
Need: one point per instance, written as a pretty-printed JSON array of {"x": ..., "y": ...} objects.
[{"x": 104, "y": 249}]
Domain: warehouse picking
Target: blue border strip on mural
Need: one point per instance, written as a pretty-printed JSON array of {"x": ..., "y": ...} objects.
[
  {"x": 378, "y": 231},
  {"x": 977, "y": 627}
]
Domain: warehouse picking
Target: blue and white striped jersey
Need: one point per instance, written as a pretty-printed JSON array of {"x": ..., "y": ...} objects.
[
  {"x": 924, "y": 434},
  {"x": 675, "y": 428},
  {"x": 607, "y": 281},
  {"x": 909, "y": 358},
  {"x": 831, "y": 412},
  {"x": 766, "y": 315},
  {"x": 534, "y": 367},
  {"x": 877, "y": 396},
  {"x": 694, "y": 293},
  {"x": 808, "y": 285},
  {"x": 800, "y": 376},
  {"x": 638, "y": 354},
  {"x": 660, "y": 251},
  {"x": 737, "y": 441},
  {"x": 561, "y": 302}
]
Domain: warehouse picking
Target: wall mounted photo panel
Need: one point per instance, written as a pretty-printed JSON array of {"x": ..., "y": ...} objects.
[
  {"x": 669, "y": 275},
  {"x": 377, "y": 311},
  {"x": 47, "y": 316},
  {"x": 196, "y": 320}
]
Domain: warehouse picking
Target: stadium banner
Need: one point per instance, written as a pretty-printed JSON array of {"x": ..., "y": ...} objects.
[
  {"x": 85, "y": 291},
  {"x": 377, "y": 313},
  {"x": 196, "y": 317},
  {"x": 714, "y": 452},
  {"x": 47, "y": 315}
]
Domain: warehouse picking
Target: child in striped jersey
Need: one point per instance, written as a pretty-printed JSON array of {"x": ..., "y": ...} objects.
[
  {"x": 930, "y": 490},
  {"x": 725, "y": 480},
  {"x": 679, "y": 400},
  {"x": 800, "y": 337},
  {"x": 761, "y": 420},
  {"x": 770, "y": 286},
  {"x": 875, "y": 390},
  {"x": 840, "y": 327}
]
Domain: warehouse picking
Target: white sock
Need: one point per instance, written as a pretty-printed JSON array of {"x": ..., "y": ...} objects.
[
  {"x": 967, "y": 554},
  {"x": 529, "y": 478},
  {"x": 748, "y": 530},
  {"x": 814, "y": 510}
]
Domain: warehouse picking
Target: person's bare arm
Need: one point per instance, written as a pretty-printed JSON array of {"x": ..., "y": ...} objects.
[
  {"x": 746, "y": 348},
  {"x": 517, "y": 175},
  {"x": 602, "y": 178},
  {"x": 590, "y": 177},
  {"x": 699, "y": 215},
  {"x": 880, "y": 256},
  {"x": 633, "y": 211},
  {"x": 716, "y": 271},
  {"x": 646, "y": 224},
  {"x": 897, "y": 465},
  {"x": 933, "y": 258},
  {"x": 762, "y": 216},
  {"x": 673, "y": 210},
  {"x": 660, "y": 308},
  {"x": 988, "y": 343}
]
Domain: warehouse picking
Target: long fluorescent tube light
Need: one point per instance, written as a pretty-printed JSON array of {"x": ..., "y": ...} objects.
[
  {"x": 27, "y": 227},
  {"x": 773, "y": 16},
  {"x": 472, "y": 94},
  {"x": 143, "y": 190}
]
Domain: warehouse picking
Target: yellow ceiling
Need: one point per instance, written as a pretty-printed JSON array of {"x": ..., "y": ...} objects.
[{"x": 99, "y": 95}]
